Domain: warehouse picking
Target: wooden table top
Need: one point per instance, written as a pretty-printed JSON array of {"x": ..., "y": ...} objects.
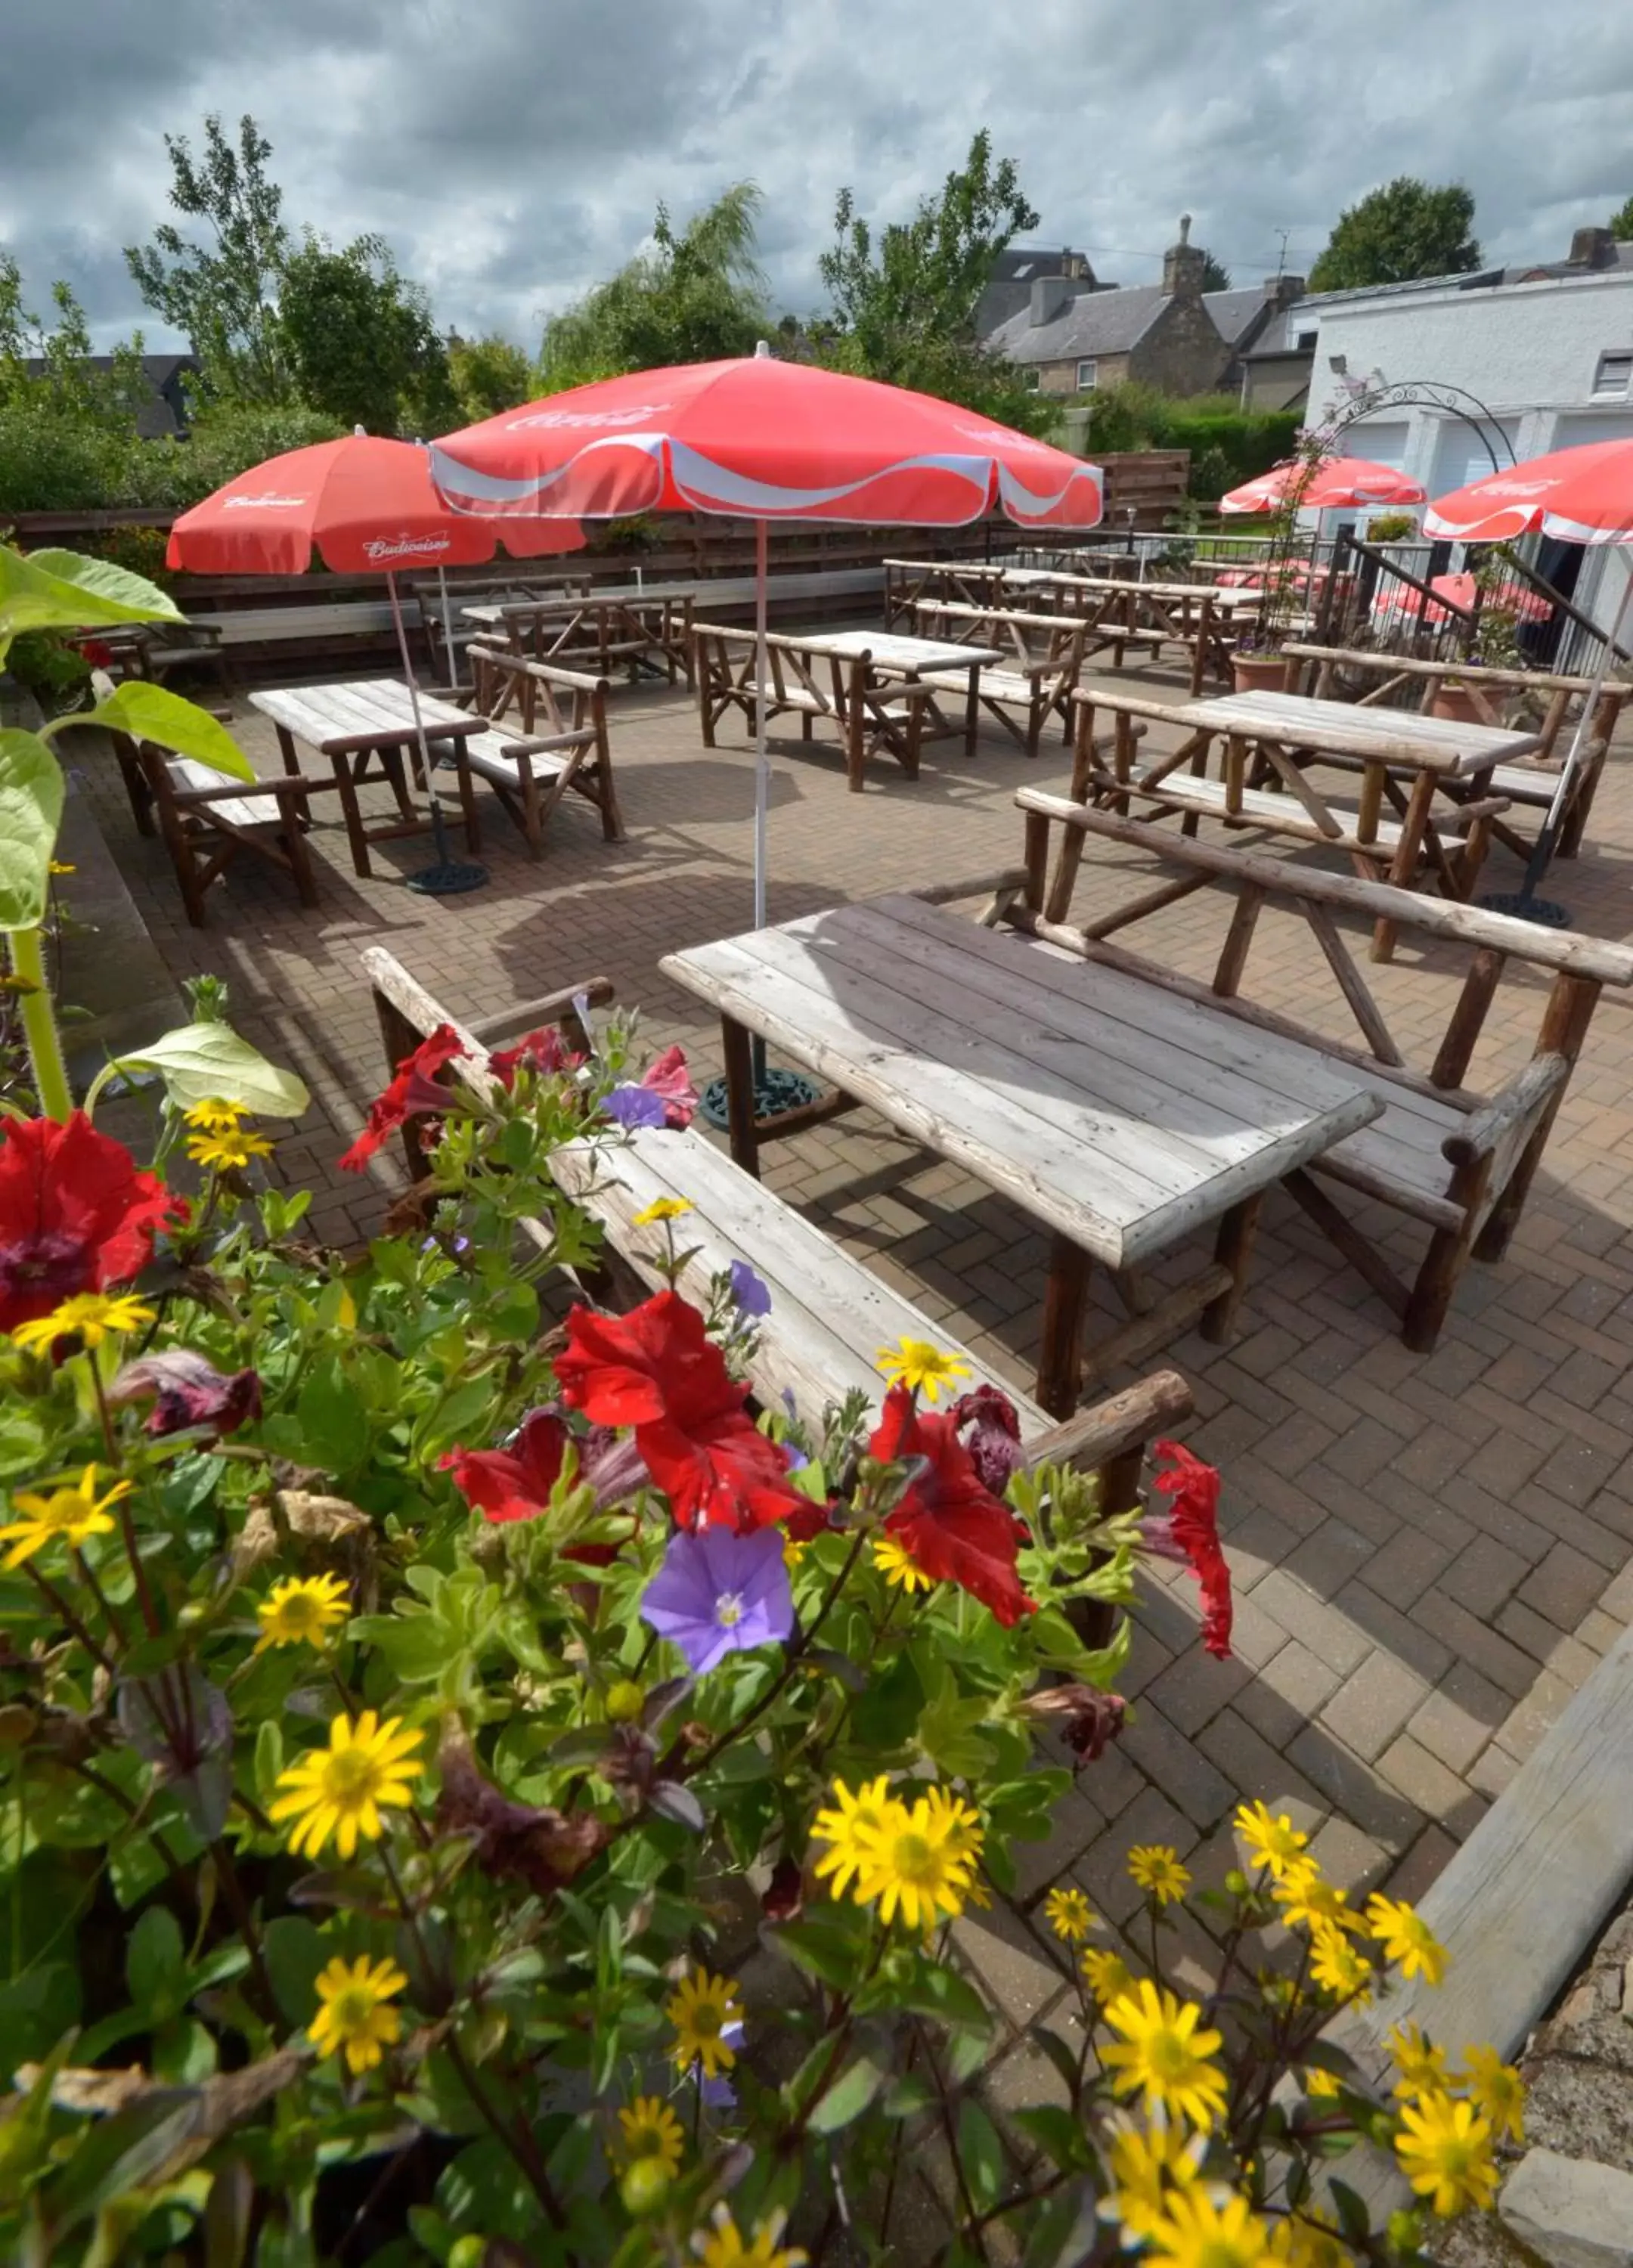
[
  {"x": 1107, "y": 1108},
  {"x": 1401, "y": 737},
  {"x": 890, "y": 652},
  {"x": 368, "y": 712}
]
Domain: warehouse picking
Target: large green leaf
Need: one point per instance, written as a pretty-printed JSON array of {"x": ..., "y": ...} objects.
[
  {"x": 199, "y": 1062},
  {"x": 109, "y": 586},
  {"x": 31, "y": 812},
  {"x": 61, "y": 591},
  {"x": 148, "y": 712}
]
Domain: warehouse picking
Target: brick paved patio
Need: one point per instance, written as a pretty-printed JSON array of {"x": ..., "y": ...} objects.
[{"x": 1430, "y": 1553}]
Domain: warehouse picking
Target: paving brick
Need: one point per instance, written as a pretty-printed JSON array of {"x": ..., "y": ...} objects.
[
  {"x": 1329, "y": 1634},
  {"x": 1423, "y": 1865},
  {"x": 1178, "y": 1766},
  {"x": 1424, "y": 1781},
  {"x": 1038, "y": 1865},
  {"x": 1373, "y": 1703},
  {"x": 1290, "y": 1690},
  {"x": 1103, "y": 1870},
  {"x": 1346, "y": 1856},
  {"x": 1459, "y": 1716},
  {"x": 1354, "y": 1789},
  {"x": 1564, "y": 1587},
  {"x": 1259, "y": 1772},
  {"x": 1195, "y": 1686}
]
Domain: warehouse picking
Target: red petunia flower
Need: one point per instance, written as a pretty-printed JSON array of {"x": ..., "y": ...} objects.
[
  {"x": 658, "y": 1370},
  {"x": 411, "y": 1092},
  {"x": 76, "y": 1215},
  {"x": 186, "y": 1390},
  {"x": 515, "y": 1484},
  {"x": 667, "y": 1076},
  {"x": 1189, "y": 1530},
  {"x": 544, "y": 1051},
  {"x": 947, "y": 1523}
]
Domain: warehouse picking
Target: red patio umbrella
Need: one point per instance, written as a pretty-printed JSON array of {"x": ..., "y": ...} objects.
[
  {"x": 1338, "y": 482},
  {"x": 367, "y": 505},
  {"x": 759, "y": 440},
  {"x": 1580, "y": 496}
]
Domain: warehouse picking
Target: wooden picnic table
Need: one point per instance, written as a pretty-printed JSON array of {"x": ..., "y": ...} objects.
[
  {"x": 1270, "y": 741},
  {"x": 350, "y": 723},
  {"x": 1107, "y": 1109},
  {"x": 593, "y": 630},
  {"x": 917, "y": 661}
]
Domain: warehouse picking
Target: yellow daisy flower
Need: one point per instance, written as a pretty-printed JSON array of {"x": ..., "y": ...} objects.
[
  {"x": 1322, "y": 2084},
  {"x": 649, "y": 2129},
  {"x": 957, "y": 1822},
  {"x": 89, "y": 1316},
  {"x": 849, "y": 1830},
  {"x": 1300, "y": 2242},
  {"x": 227, "y": 1152},
  {"x": 68, "y": 1515},
  {"x": 924, "y": 1368},
  {"x": 1156, "y": 1867},
  {"x": 901, "y": 1573},
  {"x": 1275, "y": 1843},
  {"x": 1198, "y": 2232},
  {"x": 1163, "y": 2054},
  {"x": 1107, "y": 1974},
  {"x": 301, "y": 1610},
  {"x": 1147, "y": 2164},
  {"x": 367, "y": 1768},
  {"x": 721, "y": 2244},
  {"x": 214, "y": 1115},
  {"x": 1407, "y": 1940},
  {"x": 1444, "y": 2151},
  {"x": 916, "y": 1866},
  {"x": 1420, "y": 2066},
  {"x": 1070, "y": 1915},
  {"x": 661, "y": 1209},
  {"x": 1337, "y": 1966},
  {"x": 1306, "y": 1896},
  {"x": 355, "y": 2017},
  {"x": 702, "y": 2008},
  {"x": 1498, "y": 2091}
]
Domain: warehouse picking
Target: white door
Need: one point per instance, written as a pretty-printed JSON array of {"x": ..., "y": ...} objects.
[
  {"x": 1461, "y": 454},
  {"x": 1594, "y": 425},
  {"x": 1382, "y": 440}
]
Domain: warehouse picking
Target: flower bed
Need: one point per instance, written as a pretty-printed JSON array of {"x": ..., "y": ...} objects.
[{"x": 404, "y": 1708}]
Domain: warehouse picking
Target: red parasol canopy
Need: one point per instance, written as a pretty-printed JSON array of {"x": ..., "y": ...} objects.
[
  {"x": 760, "y": 439},
  {"x": 1582, "y": 495},
  {"x": 365, "y": 503},
  {"x": 1340, "y": 481}
]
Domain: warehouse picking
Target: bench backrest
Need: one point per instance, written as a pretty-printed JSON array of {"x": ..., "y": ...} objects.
[
  {"x": 543, "y": 697},
  {"x": 1246, "y": 883},
  {"x": 1033, "y": 642},
  {"x": 1400, "y": 680}
]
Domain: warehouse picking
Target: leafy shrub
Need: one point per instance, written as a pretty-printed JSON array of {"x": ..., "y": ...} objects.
[{"x": 1228, "y": 445}]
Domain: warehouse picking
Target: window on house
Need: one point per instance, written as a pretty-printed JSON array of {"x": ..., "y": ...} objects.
[
  {"x": 1305, "y": 342},
  {"x": 1614, "y": 372},
  {"x": 1086, "y": 376},
  {"x": 1031, "y": 379}
]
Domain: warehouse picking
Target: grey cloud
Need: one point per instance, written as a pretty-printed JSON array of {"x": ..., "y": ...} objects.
[{"x": 513, "y": 152}]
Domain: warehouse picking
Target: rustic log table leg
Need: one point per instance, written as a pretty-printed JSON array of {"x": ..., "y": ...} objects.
[
  {"x": 740, "y": 1095},
  {"x": 353, "y": 816},
  {"x": 1232, "y": 1249},
  {"x": 392, "y": 765},
  {"x": 972, "y": 709},
  {"x": 1404, "y": 865},
  {"x": 291, "y": 765},
  {"x": 1060, "y": 1363}
]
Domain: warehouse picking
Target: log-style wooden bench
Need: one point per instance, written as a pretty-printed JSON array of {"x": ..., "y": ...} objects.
[
  {"x": 1459, "y": 1160},
  {"x": 1372, "y": 680},
  {"x": 1043, "y": 654},
  {"x": 829, "y": 1315},
  {"x": 206, "y": 822},
  {"x": 547, "y": 734},
  {"x": 804, "y": 680}
]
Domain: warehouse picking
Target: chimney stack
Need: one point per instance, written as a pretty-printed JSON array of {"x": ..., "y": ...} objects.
[
  {"x": 1049, "y": 296},
  {"x": 1282, "y": 290},
  {"x": 1183, "y": 264},
  {"x": 1592, "y": 247}
]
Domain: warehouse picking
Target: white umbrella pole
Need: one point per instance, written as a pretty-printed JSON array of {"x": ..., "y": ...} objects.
[
  {"x": 407, "y": 671},
  {"x": 447, "y": 625},
  {"x": 762, "y": 767},
  {"x": 1537, "y": 864}
]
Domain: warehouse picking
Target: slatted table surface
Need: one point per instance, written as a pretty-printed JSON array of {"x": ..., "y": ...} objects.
[
  {"x": 1119, "y": 1117},
  {"x": 919, "y": 659},
  {"x": 349, "y": 722},
  {"x": 1401, "y": 739}
]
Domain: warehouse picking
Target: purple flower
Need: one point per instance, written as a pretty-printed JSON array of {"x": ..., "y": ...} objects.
[
  {"x": 633, "y": 1105},
  {"x": 987, "y": 1424},
  {"x": 718, "y": 1594},
  {"x": 749, "y": 1290},
  {"x": 719, "y": 2094}
]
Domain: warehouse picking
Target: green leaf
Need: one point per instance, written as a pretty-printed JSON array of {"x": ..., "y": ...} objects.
[
  {"x": 824, "y": 1946},
  {"x": 148, "y": 712},
  {"x": 36, "y": 2010},
  {"x": 110, "y": 586},
  {"x": 294, "y": 1953},
  {"x": 31, "y": 812},
  {"x": 123, "y": 2152},
  {"x": 849, "y": 2096},
  {"x": 938, "y": 1992},
  {"x": 156, "y": 1962},
  {"x": 980, "y": 2156},
  {"x": 334, "y": 1427},
  {"x": 55, "y": 590},
  {"x": 200, "y": 1061},
  {"x": 1057, "y": 2132}
]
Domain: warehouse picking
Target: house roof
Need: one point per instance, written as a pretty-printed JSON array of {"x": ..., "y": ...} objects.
[
  {"x": 1109, "y": 321},
  {"x": 1021, "y": 263},
  {"x": 1233, "y": 312}
]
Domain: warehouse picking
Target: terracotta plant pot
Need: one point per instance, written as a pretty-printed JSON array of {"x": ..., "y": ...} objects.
[
  {"x": 1261, "y": 673},
  {"x": 1459, "y": 702}
]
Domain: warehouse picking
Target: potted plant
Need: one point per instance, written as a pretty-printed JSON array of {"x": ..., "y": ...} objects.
[
  {"x": 1493, "y": 645},
  {"x": 1259, "y": 664}
]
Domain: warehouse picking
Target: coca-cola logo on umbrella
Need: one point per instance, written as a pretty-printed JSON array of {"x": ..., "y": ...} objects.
[{"x": 589, "y": 417}]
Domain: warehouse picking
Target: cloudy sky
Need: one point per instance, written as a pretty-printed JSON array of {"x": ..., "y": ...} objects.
[{"x": 513, "y": 150}]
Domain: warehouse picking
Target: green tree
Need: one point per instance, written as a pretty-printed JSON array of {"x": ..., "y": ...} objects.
[
  {"x": 695, "y": 296},
  {"x": 1621, "y": 223},
  {"x": 65, "y": 384},
  {"x": 489, "y": 374},
  {"x": 224, "y": 295},
  {"x": 359, "y": 341},
  {"x": 1407, "y": 229},
  {"x": 1215, "y": 275},
  {"x": 905, "y": 303}
]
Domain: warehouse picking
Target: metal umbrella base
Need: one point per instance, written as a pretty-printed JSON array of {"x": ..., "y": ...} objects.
[
  {"x": 1544, "y": 911},
  {"x": 775, "y": 1093},
  {"x": 449, "y": 878}
]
